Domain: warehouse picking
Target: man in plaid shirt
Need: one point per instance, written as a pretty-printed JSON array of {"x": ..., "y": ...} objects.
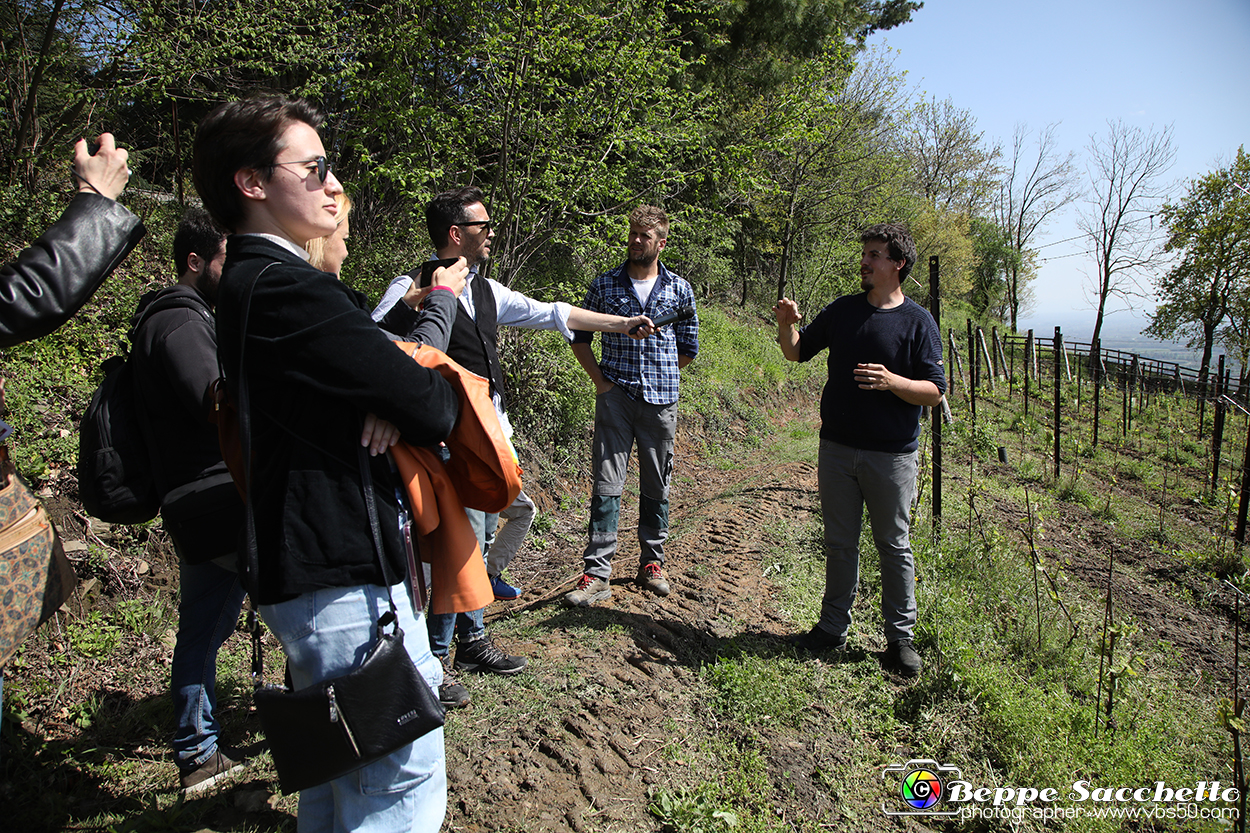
[{"x": 636, "y": 386}]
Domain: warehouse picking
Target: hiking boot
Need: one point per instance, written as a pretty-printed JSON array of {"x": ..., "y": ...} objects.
[
  {"x": 482, "y": 655},
  {"x": 450, "y": 693},
  {"x": 504, "y": 592},
  {"x": 651, "y": 577},
  {"x": 215, "y": 769},
  {"x": 903, "y": 654},
  {"x": 588, "y": 591},
  {"x": 818, "y": 641}
]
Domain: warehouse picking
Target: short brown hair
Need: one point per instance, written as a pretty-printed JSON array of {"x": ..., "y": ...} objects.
[
  {"x": 650, "y": 217},
  {"x": 238, "y": 135}
]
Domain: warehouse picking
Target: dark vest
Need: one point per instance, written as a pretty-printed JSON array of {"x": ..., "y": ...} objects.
[{"x": 475, "y": 345}]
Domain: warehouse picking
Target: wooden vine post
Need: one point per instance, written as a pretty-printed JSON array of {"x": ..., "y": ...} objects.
[
  {"x": 1095, "y": 366},
  {"x": 1217, "y": 431},
  {"x": 955, "y": 373},
  {"x": 972, "y": 374},
  {"x": 1058, "y": 395},
  {"x": 1028, "y": 368},
  {"x": 984, "y": 355},
  {"x": 936, "y": 311}
]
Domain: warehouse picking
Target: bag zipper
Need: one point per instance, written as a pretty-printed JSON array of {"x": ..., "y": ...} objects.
[
  {"x": 337, "y": 716},
  {"x": 23, "y": 529}
]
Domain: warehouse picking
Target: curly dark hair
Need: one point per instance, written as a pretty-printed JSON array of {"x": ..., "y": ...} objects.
[
  {"x": 898, "y": 239},
  {"x": 238, "y": 135}
]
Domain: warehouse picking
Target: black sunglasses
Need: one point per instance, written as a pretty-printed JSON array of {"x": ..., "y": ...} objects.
[
  {"x": 485, "y": 224},
  {"x": 323, "y": 166}
]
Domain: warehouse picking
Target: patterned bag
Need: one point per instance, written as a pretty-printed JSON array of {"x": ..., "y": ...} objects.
[{"x": 35, "y": 575}]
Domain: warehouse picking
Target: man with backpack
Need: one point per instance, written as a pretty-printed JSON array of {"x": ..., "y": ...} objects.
[{"x": 174, "y": 365}]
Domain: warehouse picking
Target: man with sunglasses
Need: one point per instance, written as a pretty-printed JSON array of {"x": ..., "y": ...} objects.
[{"x": 460, "y": 226}]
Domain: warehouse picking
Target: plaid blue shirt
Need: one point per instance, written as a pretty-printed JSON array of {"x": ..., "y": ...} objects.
[{"x": 646, "y": 368}]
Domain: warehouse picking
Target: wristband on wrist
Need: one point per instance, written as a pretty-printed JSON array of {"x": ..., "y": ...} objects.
[
  {"x": 440, "y": 286},
  {"x": 82, "y": 179}
]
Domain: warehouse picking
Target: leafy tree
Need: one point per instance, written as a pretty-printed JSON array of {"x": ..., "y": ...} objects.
[
  {"x": 1210, "y": 229},
  {"x": 994, "y": 259},
  {"x": 1126, "y": 170},
  {"x": 826, "y": 169}
]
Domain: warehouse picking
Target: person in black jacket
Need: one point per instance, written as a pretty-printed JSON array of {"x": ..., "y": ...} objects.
[
  {"x": 50, "y": 280},
  {"x": 313, "y": 364},
  {"x": 174, "y": 362}
]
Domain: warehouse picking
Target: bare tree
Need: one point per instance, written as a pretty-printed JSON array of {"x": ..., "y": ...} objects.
[
  {"x": 954, "y": 170},
  {"x": 1039, "y": 183},
  {"x": 1126, "y": 170}
]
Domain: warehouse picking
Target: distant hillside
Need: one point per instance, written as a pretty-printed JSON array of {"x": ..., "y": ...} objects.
[{"x": 1121, "y": 331}]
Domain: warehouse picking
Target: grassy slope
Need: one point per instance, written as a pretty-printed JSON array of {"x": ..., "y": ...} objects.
[{"x": 991, "y": 701}]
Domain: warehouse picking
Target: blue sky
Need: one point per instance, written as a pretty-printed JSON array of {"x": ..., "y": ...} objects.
[{"x": 1146, "y": 62}]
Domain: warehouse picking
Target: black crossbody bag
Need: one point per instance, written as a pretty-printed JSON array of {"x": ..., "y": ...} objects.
[{"x": 336, "y": 726}]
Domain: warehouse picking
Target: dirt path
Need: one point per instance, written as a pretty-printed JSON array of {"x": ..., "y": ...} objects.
[{"x": 581, "y": 738}]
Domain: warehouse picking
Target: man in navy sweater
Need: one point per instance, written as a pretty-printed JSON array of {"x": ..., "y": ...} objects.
[{"x": 885, "y": 362}]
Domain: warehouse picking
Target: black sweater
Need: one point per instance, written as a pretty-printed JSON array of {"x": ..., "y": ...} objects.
[
  {"x": 903, "y": 338},
  {"x": 315, "y": 364}
]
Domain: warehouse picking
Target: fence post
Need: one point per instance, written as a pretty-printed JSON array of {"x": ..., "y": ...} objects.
[
  {"x": 958, "y": 372},
  {"x": 1096, "y": 369},
  {"x": 1240, "y": 535},
  {"x": 936, "y": 312},
  {"x": 985, "y": 354},
  {"x": 1011, "y": 373},
  {"x": 973, "y": 377},
  {"x": 1204, "y": 390},
  {"x": 1217, "y": 432},
  {"x": 1029, "y": 348},
  {"x": 1058, "y": 395}
]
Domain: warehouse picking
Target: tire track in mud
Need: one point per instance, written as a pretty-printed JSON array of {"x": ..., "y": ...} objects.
[{"x": 588, "y": 757}]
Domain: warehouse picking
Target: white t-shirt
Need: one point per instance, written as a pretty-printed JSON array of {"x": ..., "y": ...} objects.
[{"x": 643, "y": 288}]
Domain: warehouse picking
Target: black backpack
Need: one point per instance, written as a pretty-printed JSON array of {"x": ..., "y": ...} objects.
[{"x": 115, "y": 478}]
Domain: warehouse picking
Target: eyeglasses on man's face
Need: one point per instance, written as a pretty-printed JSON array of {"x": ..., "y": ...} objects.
[
  {"x": 485, "y": 224},
  {"x": 323, "y": 166}
]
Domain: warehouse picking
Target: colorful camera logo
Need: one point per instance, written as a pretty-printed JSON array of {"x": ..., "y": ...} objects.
[
  {"x": 921, "y": 788},
  {"x": 921, "y": 784}
]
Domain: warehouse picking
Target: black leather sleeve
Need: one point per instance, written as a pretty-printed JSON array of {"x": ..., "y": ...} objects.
[{"x": 56, "y": 275}]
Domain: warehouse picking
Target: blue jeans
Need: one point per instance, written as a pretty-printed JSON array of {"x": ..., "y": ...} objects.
[
  {"x": 472, "y": 625},
  {"x": 620, "y": 423},
  {"x": 850, "y": 479},
  {"x": 208, "y": 611},
  {"x": 325, "y": 634}
]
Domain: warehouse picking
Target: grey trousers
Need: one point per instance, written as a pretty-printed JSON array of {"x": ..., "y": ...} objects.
[
  {"x": 500, "y": 545},
  {"x": 620, "y": 423},
  {"x": 850, "y": 479}
]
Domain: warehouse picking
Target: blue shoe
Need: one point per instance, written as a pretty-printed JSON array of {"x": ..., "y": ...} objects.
[{"x": 504, "y": 592}]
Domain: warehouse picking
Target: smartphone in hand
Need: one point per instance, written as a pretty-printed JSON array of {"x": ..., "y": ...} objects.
[{"x": 427, "y": 269}]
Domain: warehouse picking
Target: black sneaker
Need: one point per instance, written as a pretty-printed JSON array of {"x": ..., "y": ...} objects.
[
  {"x": 903, "y": 654},
  {"x": 482, "y": 655},
  {"x": 212, "y": 771},
  {"x": 818, "y": 641},
  {"x": 451, "y": 694}
]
